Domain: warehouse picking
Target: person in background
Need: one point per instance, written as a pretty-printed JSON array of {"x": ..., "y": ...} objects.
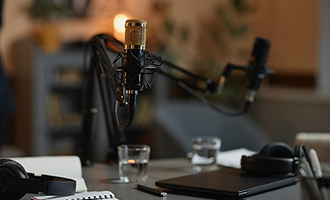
[{"x": 7, "y": 104}]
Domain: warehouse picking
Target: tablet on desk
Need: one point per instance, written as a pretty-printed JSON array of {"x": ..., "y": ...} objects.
[{"x": 226, "y": 182}]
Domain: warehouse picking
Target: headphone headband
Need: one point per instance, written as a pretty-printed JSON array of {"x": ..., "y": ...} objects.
[
  {"x": 54, "y": 185},
  {"x": 274, "y": 159}
]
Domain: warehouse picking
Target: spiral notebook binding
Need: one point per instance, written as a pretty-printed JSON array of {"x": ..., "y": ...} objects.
[{"x": 95, "y": 195}]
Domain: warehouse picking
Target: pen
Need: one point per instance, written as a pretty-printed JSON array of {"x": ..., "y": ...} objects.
[
  {"x": 316, "y": 163},
  {"x": 318, "y": 172},
  {"x": 151, "y": 190}
]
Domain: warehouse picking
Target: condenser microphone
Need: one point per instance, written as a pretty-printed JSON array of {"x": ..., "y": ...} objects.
[
  {"x": 257, "y": 69},
  {"x": 134, "y": 63}
]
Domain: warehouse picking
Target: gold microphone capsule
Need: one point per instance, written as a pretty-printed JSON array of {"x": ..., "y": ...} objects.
[{"x": 135, "y": 34}]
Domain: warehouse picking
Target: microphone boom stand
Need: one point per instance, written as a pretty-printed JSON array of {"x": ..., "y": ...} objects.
[
  {"x": 116, "y": 136},
  {"x": 101, "y": 67}
]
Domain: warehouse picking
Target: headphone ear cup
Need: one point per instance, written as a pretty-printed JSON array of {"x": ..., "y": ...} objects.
[
  {"x": 10, "y": 171},
  {"x": 16, "y": 168}
]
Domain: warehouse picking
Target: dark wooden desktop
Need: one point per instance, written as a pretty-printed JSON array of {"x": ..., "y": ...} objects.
[{"x": 101, "y": 176}]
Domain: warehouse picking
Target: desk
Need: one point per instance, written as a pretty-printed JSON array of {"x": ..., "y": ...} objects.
[{"x": 100, "y": 177}]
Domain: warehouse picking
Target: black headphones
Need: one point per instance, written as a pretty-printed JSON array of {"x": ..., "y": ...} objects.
[
  {"x": 274, "y": 159},
  {"x": 15, "y": 182}
]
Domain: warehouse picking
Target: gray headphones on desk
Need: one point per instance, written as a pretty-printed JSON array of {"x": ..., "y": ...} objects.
[
  {"x": 274, "y": 159},
  {"x": 15, "y": 182}
]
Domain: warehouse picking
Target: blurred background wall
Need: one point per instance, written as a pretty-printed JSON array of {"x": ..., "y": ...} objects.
[{"x": 201, "y": 36}]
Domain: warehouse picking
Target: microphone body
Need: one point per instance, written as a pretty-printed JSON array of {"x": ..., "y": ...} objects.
[
  {"x": 257, "y": 65},
  {"x": 134, "y": 57},
  {"x": 257, "y": 69},
  {"x": 134, "y": 68},
  {"x": 133, "y": 64}
]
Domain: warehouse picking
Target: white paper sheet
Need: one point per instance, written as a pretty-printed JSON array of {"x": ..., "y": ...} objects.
[{"x": 232, "y": 158}]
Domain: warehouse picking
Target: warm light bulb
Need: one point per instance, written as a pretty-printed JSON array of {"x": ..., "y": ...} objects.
[
  {"x": 131, "y": 161},
  {"x": 119, "y": 23}
]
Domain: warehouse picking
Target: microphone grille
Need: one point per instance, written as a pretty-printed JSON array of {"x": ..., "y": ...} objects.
[{"x": 135, "y": 34}]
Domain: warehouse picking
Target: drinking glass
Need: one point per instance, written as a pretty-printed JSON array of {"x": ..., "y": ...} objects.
[
  {"x": 133, "y": 162},
  {"x": 205, "y": 150}
]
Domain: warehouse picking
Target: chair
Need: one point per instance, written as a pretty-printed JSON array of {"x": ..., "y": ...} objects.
[{"x": 179, "y": 121}]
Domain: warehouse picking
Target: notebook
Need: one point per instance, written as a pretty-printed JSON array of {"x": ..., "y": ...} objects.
[
  {"x": 96, "y": 195},
  {"x": 226, "y": 182}
]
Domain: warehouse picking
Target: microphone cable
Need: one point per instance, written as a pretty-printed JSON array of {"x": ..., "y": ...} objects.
[{"x": 97, "y": 47}]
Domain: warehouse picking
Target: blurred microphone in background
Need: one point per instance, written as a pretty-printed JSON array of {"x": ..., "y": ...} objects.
[{"x": 257, "y": 69}]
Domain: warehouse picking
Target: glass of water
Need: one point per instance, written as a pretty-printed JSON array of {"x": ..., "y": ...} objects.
[
  {"x": 205, "y": 150},
  {"x": 133, "y": 162}
]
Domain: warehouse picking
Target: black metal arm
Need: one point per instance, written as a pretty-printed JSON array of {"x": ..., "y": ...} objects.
[{"x": 109, "y": 78}]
